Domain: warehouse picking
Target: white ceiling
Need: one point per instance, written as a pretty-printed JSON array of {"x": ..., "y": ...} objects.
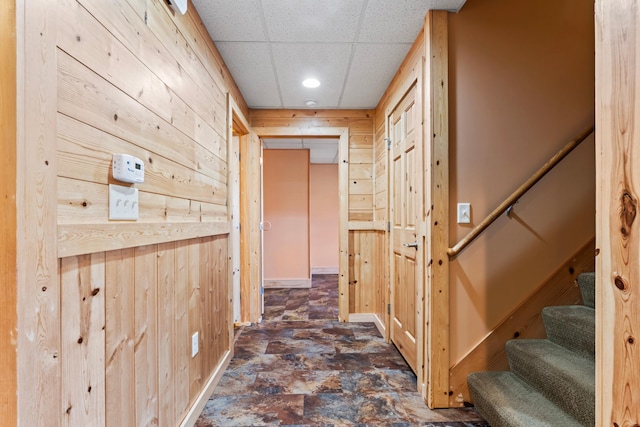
[
  {"x": 323, "y": 150},
  {"x": 354, "y": 47}
]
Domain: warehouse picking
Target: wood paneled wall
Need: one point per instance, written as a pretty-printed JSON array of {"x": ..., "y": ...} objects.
[
  {"x": 108, "y": 308},
  {"x": 367, "y": 285},
  {"x": 128, "y": 316}
]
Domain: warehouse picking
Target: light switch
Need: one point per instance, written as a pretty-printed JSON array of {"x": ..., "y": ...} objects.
[
  {"x": 123, "y": 202},
  {"x": 464, "y": 213}
]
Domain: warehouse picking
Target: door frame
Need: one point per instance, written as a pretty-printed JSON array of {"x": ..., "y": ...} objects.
[
  {"x": 342, "y": 133},
  {"x": 238, "y": 130}
]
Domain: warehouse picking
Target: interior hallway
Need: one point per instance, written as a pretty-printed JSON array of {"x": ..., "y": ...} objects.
[{"x": 301, "y": 367}]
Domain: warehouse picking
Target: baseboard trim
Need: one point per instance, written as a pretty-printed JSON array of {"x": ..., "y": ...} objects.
[
  {"x": 525, "y": 321},
  {"x": 287, "y": 283},
  {"x": 368, "y": 317},
  {"x": 203, "y": 397},
  {"x": 324, "y": 270}
]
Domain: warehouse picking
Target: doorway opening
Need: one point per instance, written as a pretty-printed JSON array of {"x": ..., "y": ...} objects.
[
  {"x": 301, "y": 228},
  {"x": 254, "y": 225}
]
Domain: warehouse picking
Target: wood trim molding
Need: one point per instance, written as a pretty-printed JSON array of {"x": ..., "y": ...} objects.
[
  {"x": 202, "y": 399},
  {"x": 524, "y": 321},
  {"x": 366, "y": 318},
  {"x": 617, "y": 38},
  {"x": 39, "y": 324},
  {"x": 436, "y": 131},
  {"x": 343, "y": 184},
  {"x": 77, "y": 239},
  {"x": 8, "y": 216},
  {"x": 367, "y": 226}
]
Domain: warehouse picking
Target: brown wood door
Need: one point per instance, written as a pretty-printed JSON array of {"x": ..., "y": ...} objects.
[{"x": 406, "y": 245}]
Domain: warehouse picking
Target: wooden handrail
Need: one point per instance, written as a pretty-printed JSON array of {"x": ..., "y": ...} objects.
[{"x": 571, "y": 145}]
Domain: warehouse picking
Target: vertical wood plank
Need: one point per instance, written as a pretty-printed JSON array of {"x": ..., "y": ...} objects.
[
  {"x": 119, "y": 339},
  {"x": 195, "y": 365},
  {"x": 220, "y": 306},
  {"x": 182, "y": 335},
  {"x": 166, "y": 334},
  {"x": 82, "y": 281},
  {"x": 8, "y": 219},
  {"x": 617, "y": 233},
  {"x": 343, "y": 225},
  {"x": 436, "y": 122},
  {"x": 146, "y": 350},
  {"x": 206, "y": 267},
  {"x": 39, "y": 367}
]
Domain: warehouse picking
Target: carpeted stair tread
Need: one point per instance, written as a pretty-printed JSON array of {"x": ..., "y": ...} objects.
[
  {"x": 561, "y": 375},
  {"x": 504, "y": 400},
  {"x": 587, "y": 284},
  {"x": 573, "y": 327}
]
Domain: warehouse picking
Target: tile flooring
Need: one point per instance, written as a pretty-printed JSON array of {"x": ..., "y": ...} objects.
[{"x": 300, "y": 367}]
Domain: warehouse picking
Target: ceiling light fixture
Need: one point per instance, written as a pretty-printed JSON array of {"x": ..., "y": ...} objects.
[
  {"x": 311, "y": 83},
  {"x": 310, "y": 102}
]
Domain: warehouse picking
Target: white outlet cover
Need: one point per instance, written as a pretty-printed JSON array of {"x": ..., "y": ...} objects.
[
  {"x": 194, "y": 345},
  {"x": 123, "y": 202}
]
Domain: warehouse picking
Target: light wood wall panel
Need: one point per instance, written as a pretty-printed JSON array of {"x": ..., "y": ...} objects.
[
  {"x": 126, "y": 351},
  {"x": 39, "y": 318},
  {"x": 367, "y": 285},
  {"x": 617, "y": 191},
  {"x": 108, "y": 308},
  {"x": 360, "y": 124}
]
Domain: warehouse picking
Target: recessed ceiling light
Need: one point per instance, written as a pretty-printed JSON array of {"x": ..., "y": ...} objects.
[
  {"x": 310, "y": 102},
  {"x": 311, "y": 83}
]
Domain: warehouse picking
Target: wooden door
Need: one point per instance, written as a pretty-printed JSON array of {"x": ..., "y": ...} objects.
[{"x": 406, "y": 244}]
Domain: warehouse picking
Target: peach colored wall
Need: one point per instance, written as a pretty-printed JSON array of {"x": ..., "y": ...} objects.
[
  {"x": 323, "y": 215},
  {"x": 521, "y": 86},
  {"x": 286, "y": 207}
]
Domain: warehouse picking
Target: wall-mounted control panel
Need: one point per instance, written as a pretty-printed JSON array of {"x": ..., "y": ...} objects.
[{"x": 127, "y": 168}]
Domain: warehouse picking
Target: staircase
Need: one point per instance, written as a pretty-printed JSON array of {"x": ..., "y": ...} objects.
[{"x": 552, "y": 381}]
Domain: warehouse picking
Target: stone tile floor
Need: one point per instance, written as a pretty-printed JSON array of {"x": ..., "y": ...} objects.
[{"x": 301, "y": 367}]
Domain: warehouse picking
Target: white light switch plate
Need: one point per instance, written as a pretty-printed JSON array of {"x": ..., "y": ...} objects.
[
  {"x": 464, "y": 213},
  {"x": 194, "y": 345},
  {"x": 123, "y": 202}
]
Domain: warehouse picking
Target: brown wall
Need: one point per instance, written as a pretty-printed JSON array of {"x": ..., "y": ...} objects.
[
  {"x": 521, "y": 86},
  {"x": 286, "y": 208},
  {"x": 323, "y": 216}
]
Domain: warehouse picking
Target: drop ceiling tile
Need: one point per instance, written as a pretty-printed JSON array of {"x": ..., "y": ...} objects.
[
  {"x": 372, "y": 69},
  {"x": 381, "y": 18},
  {"x": 232, "y": 20},
  {"x": 326, "y": 62},
  {"x": 312, "y": 20},
  {"x": 251, "y": 68},
  {"x": 320, "y": 142},
  {"x": 282, "y": 144}
]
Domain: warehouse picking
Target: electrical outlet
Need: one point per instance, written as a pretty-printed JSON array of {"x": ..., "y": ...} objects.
[
  {"x": 194, "y": 345},
  {"x": 464, "y": 213},
  {"x": 123, "y": 202}
]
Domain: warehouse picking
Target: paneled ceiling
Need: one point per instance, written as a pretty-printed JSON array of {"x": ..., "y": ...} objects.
[{"x": 353, "y": 47}]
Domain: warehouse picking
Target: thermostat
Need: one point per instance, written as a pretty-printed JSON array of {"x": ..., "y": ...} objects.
[{"x": 127, "y": 168}]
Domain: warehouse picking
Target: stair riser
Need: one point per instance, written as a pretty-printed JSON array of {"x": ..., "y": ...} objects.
[
  {"x": 577, "y": 335},
  {"x": 587, "y": 284},
  {"x": 576, "y": 399}
]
